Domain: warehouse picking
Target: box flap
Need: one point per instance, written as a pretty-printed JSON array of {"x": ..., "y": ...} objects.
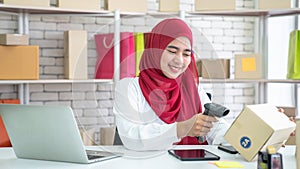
[{"x": 272, "y": 117}]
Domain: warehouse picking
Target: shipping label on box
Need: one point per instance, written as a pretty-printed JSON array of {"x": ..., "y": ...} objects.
[
  {"x": 256, "y": 127},
  {"x": 248, "y": 66},
  {"x": 206, "y": 5},
  {"x": 215, "y": 68},
  {"x": 78, "y": 4},
  {"x": 14, "y": 39},
  {"x": 169, "y": 5},
  {"x": 37, "y": 3},
  {"x": 75, "y": 54},
  {"x": 126, "y": 5},
  {"x": 19, "y": 62},
  {"x": 275, "y": 4}
]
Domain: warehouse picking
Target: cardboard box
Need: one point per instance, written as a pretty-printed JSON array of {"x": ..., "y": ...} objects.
[
  {"x": 275, "y": 4},
  {"x": 37, "y": 3},
  {"x": 169, "y": 5},
  {"x": 248, "y": 66},
  {"x": 75, "y": 54},
  {"x": 78, "y": 4},
  {"x": 126, "y": 5},
  {"x": 107, "y": 135},
  {"x": 19, "y": 62},
  {"x": 256, "y": 127},
  {"x": 298, "y": 143},
  {"x": 14, "y": 39},
  {"x": 87, "y": 136},
  {"x": 215, "y": 68},
  {"x": 221, "y": 5}
]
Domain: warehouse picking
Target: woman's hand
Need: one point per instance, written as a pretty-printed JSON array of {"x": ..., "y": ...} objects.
[
  {"x": 198, "y": 125},
  {"x": 291, "y": 119}
]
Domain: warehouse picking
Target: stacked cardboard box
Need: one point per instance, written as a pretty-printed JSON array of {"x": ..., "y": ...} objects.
[
  {"x": 207, "y": 5},
  {"x": 126, "y": 5},
  {"x": 75, "y": 54},
  {"x": 248, "y": 66},
  {"x": 214, "y": 68},
  {"x": 169, "y": 5},
  {"x": 37, "y": 3},
  {"x": 77, "y": 4},
  {"x": 275, "y": 4}
]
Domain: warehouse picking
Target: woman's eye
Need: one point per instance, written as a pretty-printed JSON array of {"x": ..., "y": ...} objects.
[
  {"x": 187, "y": 54},
  {"x": 172, "y": 51}
]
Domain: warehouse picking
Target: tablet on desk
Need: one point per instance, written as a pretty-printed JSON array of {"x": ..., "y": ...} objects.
[{"x": 193, "y": 155}]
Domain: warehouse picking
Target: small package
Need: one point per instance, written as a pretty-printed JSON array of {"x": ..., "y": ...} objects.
[
  {"x": 19, "y": 62},
  {"x": 126, "y": 5},
  {"x": 169, "y": 5},
  {"x": 77, "y": 4},
  {"x": 215, "y": 68},
  {"x": 275, "y": 4},
  {"x": 75, "y": 54},
  {"x": 257, "y": 127},
  {"x": 248, "y": 66},
  {"x": 37, "y": 3},
  {"x": 14, "y": 39},
  {"x": 87, "y": 136},
  {"x": 207, "y": 5},
  {"x": 107, "y": 135}
]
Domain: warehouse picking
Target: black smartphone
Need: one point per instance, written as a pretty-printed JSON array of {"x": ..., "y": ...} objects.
[
  {"x": 228, "y": 149},
  {"x": 193, "y": 155}
]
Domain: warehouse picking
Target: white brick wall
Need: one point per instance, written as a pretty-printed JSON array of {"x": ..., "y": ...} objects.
[{"x": 92, "y": 103}]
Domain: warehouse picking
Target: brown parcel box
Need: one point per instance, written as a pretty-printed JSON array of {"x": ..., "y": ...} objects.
[
  {"x": 19, "y": 62},
  {"x": 169, "y": 5},
  {"x": 38, "y": 3},
  {"x": 248, "y": 66},
  {"x": 256, "y": 127},
  {"x": 126, "y": 5},
  {"x": 14, "y": 39},
  {"x": 275, "y": 4},
  {"x": 75, "y": 53},
  {"x": 206, "y": 5},
  {"x": 215, "y": 68},
  {"x": 78, "y": 4}
]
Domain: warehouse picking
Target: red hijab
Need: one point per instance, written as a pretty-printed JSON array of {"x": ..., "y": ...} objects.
[{"x": 173, "y": 100}]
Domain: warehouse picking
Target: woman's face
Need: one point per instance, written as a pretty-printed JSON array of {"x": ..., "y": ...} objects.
[{"x": 176, "y": 57}]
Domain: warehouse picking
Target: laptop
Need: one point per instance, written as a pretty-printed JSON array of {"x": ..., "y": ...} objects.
[{"x": 47, "y": 133}]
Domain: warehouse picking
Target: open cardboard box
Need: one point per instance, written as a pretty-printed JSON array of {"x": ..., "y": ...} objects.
[
  {"x": 256, "y": 127},
  {"x": 298, "y": 143}
]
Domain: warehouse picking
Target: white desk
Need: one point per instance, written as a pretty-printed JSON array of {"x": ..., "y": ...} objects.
[{"x": 140, "y": 160}]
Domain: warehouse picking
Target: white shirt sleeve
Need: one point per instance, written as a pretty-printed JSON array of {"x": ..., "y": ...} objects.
[{"x": 138, "y": 125}]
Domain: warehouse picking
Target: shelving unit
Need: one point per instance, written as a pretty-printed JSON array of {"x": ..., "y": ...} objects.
[{"x": 23, "y": 25}]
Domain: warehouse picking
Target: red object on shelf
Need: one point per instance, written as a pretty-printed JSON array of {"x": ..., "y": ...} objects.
[
  {"x": 105, "y": 50},
  {"x": 4, "y": 139}
]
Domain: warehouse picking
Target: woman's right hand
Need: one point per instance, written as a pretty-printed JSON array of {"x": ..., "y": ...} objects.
[{"x": 198, "y": 125}]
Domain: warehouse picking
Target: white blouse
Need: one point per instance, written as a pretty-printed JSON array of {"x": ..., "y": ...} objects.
[{"x": 141, "y": 129}]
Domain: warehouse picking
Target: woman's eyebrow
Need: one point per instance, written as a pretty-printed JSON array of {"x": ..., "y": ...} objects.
[{"x": 175, "y": 47}]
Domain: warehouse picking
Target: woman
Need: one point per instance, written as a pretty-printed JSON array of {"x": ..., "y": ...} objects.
[{"x": 163, "y": 105}]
